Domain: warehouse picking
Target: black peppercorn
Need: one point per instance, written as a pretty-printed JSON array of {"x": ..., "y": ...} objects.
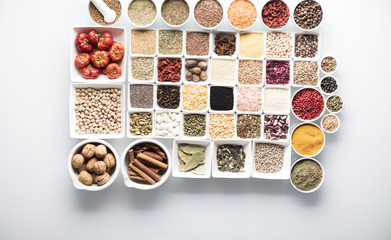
[
  {"x": 329, "y": 85},
  {"x": 221, "y": 98}
]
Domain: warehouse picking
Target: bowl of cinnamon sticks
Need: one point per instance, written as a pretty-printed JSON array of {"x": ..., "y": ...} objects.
[{"x": 145, "y": 164}]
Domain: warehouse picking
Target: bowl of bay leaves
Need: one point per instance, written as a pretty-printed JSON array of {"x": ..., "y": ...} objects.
[{"x": 191, "y": 158}]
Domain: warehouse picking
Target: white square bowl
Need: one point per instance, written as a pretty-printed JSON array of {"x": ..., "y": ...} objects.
[
  {"x": 130, "y": 108},
  {"x": 226, "y": 113},
  {"x": 292, "y": 43},
  {"x": 144, "y": 55},
  {"x": 235, "y": 55},
  {"x": 248, "y": 113},
  {"x": 208, "y": 72},
  {"x": 210, "y": 98},
  {"x": 237, "y": 99},
  {"x": 156, "y": 119},
  {"x": 171, "y": 55},
  {"x": 317, "y": 56},
  {"x": 196, "y": 56},
  {"x": 216, "y": 173},
  {"x": 129, "y": 134},
  {"x": 279, "y": 140},
  {"x": 119, "y": 35},
  {"x": 131, "y": 79},
  {"x": 175, "y": 159},
  {"x": 181, "y": 73},
  {"x": 288, "y": 100},
  {"x": 264, "y": 46},
  {"x": 293, "y": 73},
  {"x": 284, "y": 173},
  {"x": 207, "y": 99},
  {"x": 263, "y": 71},
  {"x": 72, "y": 114},
  {"x": 183, "y": 136},
  {"x": 215, "y": 76},
  {"x": 157, "y": 107},
  {"x": 290, "y": 71}
]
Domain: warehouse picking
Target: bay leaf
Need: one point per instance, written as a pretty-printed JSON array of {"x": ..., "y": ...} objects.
[
  {"x": 183, "y": 156},
  {"x": 194, "y": 161},
  {"x": 192, "y": 149},
  {"x": 200, "y": 170},
  {"x": 181, "y": 167}
]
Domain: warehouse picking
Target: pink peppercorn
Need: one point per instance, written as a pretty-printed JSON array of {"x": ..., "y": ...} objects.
[{"x": 308, "y": 104}]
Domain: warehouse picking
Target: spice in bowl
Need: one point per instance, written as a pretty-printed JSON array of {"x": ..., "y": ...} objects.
[
  {"x": 305, "y": 73},
  {"x": 170, "y": 42},
  {"x": 98, "y": 17},
  {"x": 95, "y": 163},
  {"x": 275, "y": 14},
  {"x": 169, "y": 70},
  {"x": 334, "y": 104},
  {"x": 208, "y": 13},
  {"x": 249, "y": 99},
  {"x": 279, "y": 45},
  {"x": 330, "y": 123},
  {"x": 195, "y": 97},
  {"x": 248, "y": 126},
  {"x": 194, "y": 125},
  {"x": 230, "y": 158},
  {"x": 196, "y": 70},
  {"x": 225, "y": 44},
  {"x": 192, "y": 158},
  {"x": 167, "y": 124},
  {"x": 306, "y": 45},
  {"x": 221, "y": 126},
  {"x": 140, "y": 124},
  {"x": 175, "y": 12},
  {"x": 251, "y": 45},
  {"x": 328, "y": 84},
  {"x": 250, "y": 72},
  {"x": 276, "y": 127},
  {"x": 141, "y": 96},
  {"x": 278, "y": 72},
  {"x": 221, "y": 98},
  {"x": 308, "y": 104},
  {"x": 143, "y": 42},
  {"x": 269, "y": 157},
  {"x": 308, "y": 139},
  {"x": 142, "y": 12},
  {"x": 276, "y": 100},
  {"x": 197, "y": 43},
  {"x": 308, "y": 14},
  {"x": 142, "y": 68},
  {"x": 168, "y": 96},
  {"x": 223, "y": 71},
  {"x": 147, "y": 163},
  {"x": 242, "y": 14},
  {"x": 328, "y": 64},
  {"x": 306, "y": 175}
]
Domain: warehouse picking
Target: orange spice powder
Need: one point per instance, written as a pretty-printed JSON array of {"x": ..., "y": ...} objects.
[{"x": 242, "y": 14}]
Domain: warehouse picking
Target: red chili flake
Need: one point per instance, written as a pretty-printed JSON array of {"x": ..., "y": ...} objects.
[
  {"x": 169, "y": 69},
  {"x": 308, "y": 104}
]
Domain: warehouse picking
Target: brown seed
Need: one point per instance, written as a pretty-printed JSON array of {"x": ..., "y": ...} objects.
[
  {"x": 190, "y": 64},
  {"x": 195, "y": 70},
  {"x": 196, "y": 78},
  {"x": 202, "y": 65},
  {"x": 189, "y": 76},
  {"x": 203, "y": 76}
]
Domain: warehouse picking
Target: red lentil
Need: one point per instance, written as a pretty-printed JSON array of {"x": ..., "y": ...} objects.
[{"x": 242, "y": 14}]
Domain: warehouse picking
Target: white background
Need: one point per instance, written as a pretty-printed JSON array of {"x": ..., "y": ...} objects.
[{"x": 38, "y": 200}]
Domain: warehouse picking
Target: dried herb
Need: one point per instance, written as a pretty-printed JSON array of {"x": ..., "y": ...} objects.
[
  {"x": 334, "y": 103},
  {"x": 194, "y": 125},
  {"x": 230, "y": 158},
  {"x": 192, "y": 158},
  {"x": 248, "y": 126},
  {"x": 192, "y": 149},
  {"x": 170, "y": 42},
  {"x": 306, "y": 175}
]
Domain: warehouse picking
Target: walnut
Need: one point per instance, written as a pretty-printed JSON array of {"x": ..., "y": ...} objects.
[
  {"x": 100, "y": 151},
  {"x": 90, "y": 164},
  {"x": 94, "y": 177},
  {"x": 99, "y": 167},
  {"x": 85, "y": 178},
  {"x": 77, "y": 161},
  {"x": 102, "y": 179},
  {"x": 109, "y": 160},
  {"x": 88, "y": 151},
  {"x": 83, "y": 168}
]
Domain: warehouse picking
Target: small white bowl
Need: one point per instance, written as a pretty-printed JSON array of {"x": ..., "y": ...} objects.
[
  {"x": 214, "y": 77},
  {"x": 321, "y": 182},
  {"x": 280, "y": 140},
  {"x": 310, "y": 120},
  {"x": 125, "y": 163},
  {"x": 73, "y": 172},
  {"x": 185, "y": 137},
  {"x": 339, "y": 123},
  {"x": 144, "y": 26},
  {"x": 263, "y": 71},
  {"x": 320, "y": 85},
  {"x": 211, "y": 28},
  {"x": 171, "y": 55},
  {"x": 317, "y": 56},
  {"x": 242, "y": 29},
  {"x": 92, "y": 20},
  {"x": 290, "y": 72},
  {"x": 302, "y": 29},
  {"x": 293, "y": 73},
  {"x": 188, "y": 56},
  {"x": 130, "y": 108},
  {"x": 233, "y": 56},
  {"x": 129, "y": 134},
  {"x": 343, "y": 103},
  {"x": 265, "y": 100},
  {"x": 328, "y": 73},
  {"x": 276, "y": 57},
  {"x": 175, "y": 162},
  {"x": 175, "y": 26},
  {"x": 208, "y": 72},
  {"x": 216, "y": 173},
  {"x": 131, "y": 79},
  {"x": 324, "y": 139},
  {"x": 248, "y": 113},
  {"x": 119, "y": 35},
  {"x": 274, "y": 29},
  {"x": 285, "y": 170},
  {"x": 181, "y": 73},
  {"x": 72, "y": 113}
]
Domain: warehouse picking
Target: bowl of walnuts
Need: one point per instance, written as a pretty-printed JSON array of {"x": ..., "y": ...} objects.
[{"x": 93, "y": 165}]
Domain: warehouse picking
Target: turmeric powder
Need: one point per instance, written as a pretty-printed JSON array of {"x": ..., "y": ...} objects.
[{"x": 308, "y": 139}]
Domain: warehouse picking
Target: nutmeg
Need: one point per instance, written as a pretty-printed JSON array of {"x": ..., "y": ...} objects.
[
  {"x": 88, "y": 151},
  {"x": 109, "y": 160},
  {"x": 85, "y": 178},
  {"x": 102, "y": 179},
  {"x": 196, "y": 78},
  {"x": 203, "y": 76},
  {"x": 100, "y": 151},
  {"x": 189, "y": 76},
  {"x": 202, "y": 65},
  {"x": 190, "y": 63},
  {"x": 195, "y": 70},
  {"x": 99, "y": 167},
  {"x": 90, "y": 164},
  {"x": 77, "y": 161}
]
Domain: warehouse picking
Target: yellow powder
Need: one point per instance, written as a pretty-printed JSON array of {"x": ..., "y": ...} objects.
[
  {"x": 251, "y": 45},
  {"x": 307, "y": 139}
]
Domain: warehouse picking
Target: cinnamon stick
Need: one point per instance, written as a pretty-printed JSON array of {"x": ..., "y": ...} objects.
[
  {"x": 146, "y": 170},
  {"x": 131, "y": 173},
  {"x": 150, "y": 145},
  {"x": 152, "y": 160},
  {"x": 155, "y": 170},
  {"x": 131, "y": 156},
  {"x": 137, "y": 178},
  {"x": 153, "y": 155},
  {"x": 142, "y": 174}
]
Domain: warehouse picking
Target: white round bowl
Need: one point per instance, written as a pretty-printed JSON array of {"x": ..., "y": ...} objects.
[
  {"x": 321, "y": 182},
  {"x": 302, "y": 29},
  {"x": 343, "y": 103},
  {"x": 324, "y": 139},
  {"x": 73, "y": 172},
  {"x": 174, "y": 26},
  {"x": 145, "y": 26},
  {"x": 328, "y": 73},
  {"x": 109, "y": 25},
  {"x": 241, "y": 29},
  {"x": 206, "y": 28},
  {"x": 274, "y": 29},
  {"x": 125, "y": 163},
  {"x": 320, "y": 85},
  {"x": 320, "y": 115},
  {"x": 339, "y": 123}
]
